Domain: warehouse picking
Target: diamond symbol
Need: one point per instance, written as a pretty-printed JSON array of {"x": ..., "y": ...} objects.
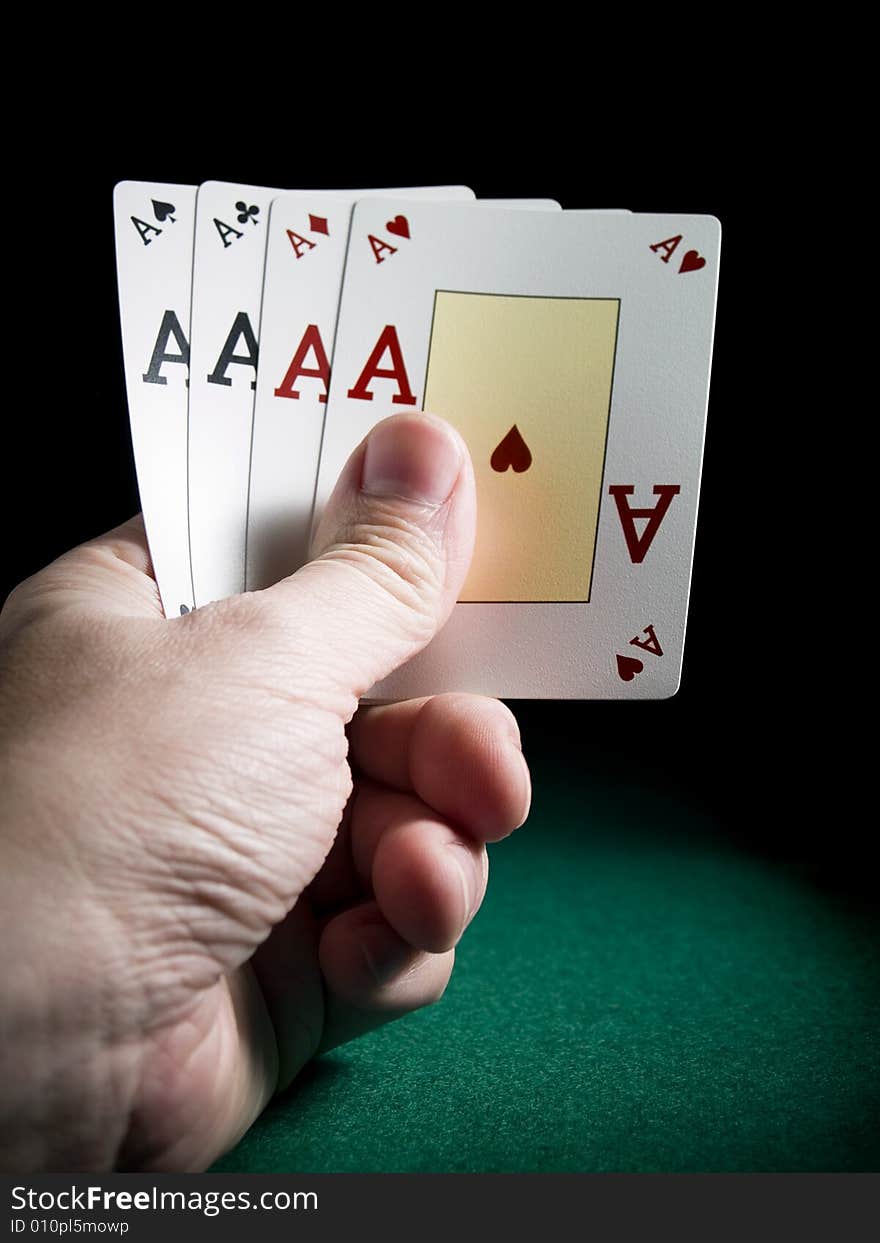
[{"x": 318, "y": 224}]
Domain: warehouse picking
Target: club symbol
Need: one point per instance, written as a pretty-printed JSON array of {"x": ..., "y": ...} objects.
[{"x": 246, "y": 213}]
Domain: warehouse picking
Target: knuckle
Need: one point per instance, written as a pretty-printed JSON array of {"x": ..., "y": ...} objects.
[{"x": 401, "y": 561}]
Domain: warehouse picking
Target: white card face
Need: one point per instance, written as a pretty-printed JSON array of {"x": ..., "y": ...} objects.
[
  {"x": 572, "y": 351},
  {"x": 228, "y": 261},
  {"x": 230, "y": 245},
  {"x": 305, "y": 257},
  {"x": 154, "y": 245}
]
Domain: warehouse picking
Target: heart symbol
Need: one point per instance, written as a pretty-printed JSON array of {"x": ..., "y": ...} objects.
[
  {"x": 162, "y": 210},
  {"x": 627, "y": 667},
  {"x": 399, "y": 226},
  {"x": 512, "y": 451},
  {"x": 692, "y": 261}
]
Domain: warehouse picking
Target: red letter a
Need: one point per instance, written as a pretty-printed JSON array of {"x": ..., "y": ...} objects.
[
  {"x": 311, "y": 341},
  {"x": 300, "y": 244},
  {"x": 668, "y": 247},
  {"x": 637, "y": 544},
  {"x": 378, "y": 246},
  {"x": 387, "y": 341},
  {"x": 650, "y": 644}
]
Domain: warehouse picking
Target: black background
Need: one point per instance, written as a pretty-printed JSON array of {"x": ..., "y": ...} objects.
[{"x": 736, "y": 737}]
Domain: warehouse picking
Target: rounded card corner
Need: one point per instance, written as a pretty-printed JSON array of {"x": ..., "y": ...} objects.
[{"x": 674, "y": 689}]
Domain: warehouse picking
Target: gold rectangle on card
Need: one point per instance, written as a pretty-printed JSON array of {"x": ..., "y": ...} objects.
[{"x": 527, "y": 381}]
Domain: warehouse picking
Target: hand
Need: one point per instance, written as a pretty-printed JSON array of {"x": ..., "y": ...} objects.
[{"x": 204, "y": 880}]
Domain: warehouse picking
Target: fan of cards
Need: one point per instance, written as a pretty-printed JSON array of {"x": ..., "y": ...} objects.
[{"x": 265, "y": 332}]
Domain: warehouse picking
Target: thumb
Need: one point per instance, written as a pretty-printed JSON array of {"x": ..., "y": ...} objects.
[{"x": 390, "y": 552}]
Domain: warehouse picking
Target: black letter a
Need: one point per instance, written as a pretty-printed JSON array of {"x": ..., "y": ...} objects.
[
  {"x": 170, "y": 327},
  {"x": 241, "y": 328}
]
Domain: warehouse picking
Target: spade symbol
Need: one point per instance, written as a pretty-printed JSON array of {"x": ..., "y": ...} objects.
[
  {"x": 512, "y": 451},
  {"x": 163, "y": 211}
]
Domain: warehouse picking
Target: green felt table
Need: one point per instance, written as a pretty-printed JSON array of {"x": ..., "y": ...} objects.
[{"x": 639, "y": 992}]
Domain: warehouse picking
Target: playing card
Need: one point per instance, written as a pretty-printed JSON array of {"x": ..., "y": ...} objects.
[
  {"x": 305, "y": 256},
  {"x": 230, "y": 244},
  {"x": 154, "y": 243},
  {"x": 228, "y": 260},
  {"x": 572, "y": 350}
]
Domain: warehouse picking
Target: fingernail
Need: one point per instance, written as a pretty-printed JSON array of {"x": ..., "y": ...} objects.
[
  {"x": 385, "y": 953},
  {"x": 464, "y": 865},
  {"x": 526, "y": 784},
  {"x": 413, "y": 458}
]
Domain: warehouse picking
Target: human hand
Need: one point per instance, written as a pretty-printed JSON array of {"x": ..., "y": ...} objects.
[{"x": 205, "y": 879}]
